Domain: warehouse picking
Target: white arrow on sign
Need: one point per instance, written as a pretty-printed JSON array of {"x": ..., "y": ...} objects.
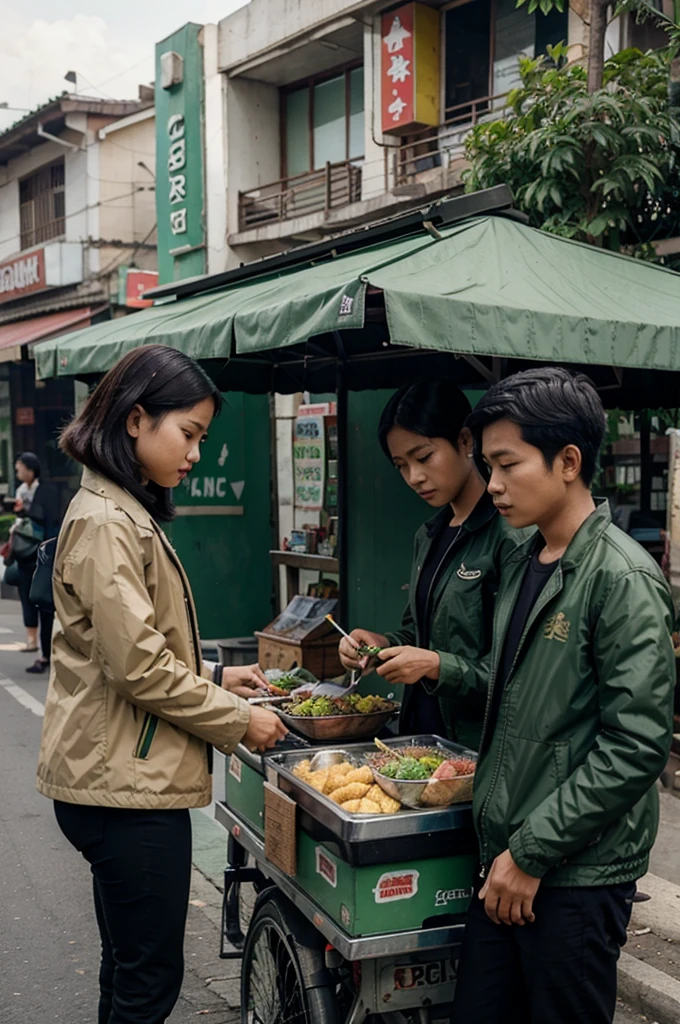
[{"x": 237, "y": 488}]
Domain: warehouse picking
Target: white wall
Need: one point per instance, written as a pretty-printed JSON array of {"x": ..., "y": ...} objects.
[
  {"x": 76, "y": 187},
  {"x": 253, "y": 140},
  {"x": 216, "y": 183},
  {"x": 262, "y": 24}
]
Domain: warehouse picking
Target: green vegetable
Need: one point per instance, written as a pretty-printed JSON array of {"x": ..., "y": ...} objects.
[
  {"x": 368, "y": 652},
  {"x": 390, "y": 770},
  {"x": 431, "y": 763},
  {"x": 409, "y": 768}
]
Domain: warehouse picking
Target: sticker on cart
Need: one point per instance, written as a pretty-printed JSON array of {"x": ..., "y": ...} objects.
[
  {"x": 396, "y": 886},
  {"x": 326, "y": 867},
  {"x": 345, "y": 915},
  {"x": 445, "y": 896},
  {"x": 235, "y": 767}
]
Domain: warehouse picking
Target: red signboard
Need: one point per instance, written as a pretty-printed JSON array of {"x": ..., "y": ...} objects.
[
  {"x": 24, "y": 416},
  {"x": 397, "y": 68},
  {"x": 138, "y": 282},
  {"x": 22, "y": 275}
]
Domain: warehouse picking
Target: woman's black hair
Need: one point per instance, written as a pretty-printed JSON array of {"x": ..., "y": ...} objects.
[
  {"x": 552, "y": 408},
  {"x": 31, "y": 462},
  {"x": 160, "y": 380},
  {"x": 433, "y": 408}
]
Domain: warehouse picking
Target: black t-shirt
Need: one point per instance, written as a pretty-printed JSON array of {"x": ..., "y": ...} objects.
[
  {"x": 535, "y": 579},
  {"x": 423, "y": 715}
]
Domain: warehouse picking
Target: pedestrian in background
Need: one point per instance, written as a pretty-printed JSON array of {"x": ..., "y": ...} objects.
[
  {"x": 131, "y": 712},
  {"x": 36, "y": 503}
]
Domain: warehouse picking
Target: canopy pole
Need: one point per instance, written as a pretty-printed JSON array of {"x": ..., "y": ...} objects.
[{"x": 343, "y": 503}]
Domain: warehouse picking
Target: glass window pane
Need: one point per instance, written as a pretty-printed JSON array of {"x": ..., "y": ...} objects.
[
  {"x": 515, "y": 31},
  {"x": 356, "y": 113},
  {"x": 330, "y": 142},
  {"x": 297, "y": 132}
]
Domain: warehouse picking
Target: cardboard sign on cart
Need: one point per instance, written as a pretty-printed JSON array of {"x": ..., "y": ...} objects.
[{"x": 279, "y": 830}]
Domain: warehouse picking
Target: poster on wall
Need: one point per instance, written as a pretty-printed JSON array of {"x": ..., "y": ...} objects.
[{"x": 309, "y": 462}]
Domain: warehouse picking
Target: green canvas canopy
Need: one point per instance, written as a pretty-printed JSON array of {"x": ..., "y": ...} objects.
[{"x": 485, "y": 287}]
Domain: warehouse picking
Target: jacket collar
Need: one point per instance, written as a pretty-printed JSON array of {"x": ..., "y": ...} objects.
[
  {"x": 481, "y": 514},
  {"x": 101, "y": 485},
  {"x": 588, "y": 533}
]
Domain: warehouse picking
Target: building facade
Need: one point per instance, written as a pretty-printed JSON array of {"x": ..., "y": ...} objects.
[
  {"x": 322, "y": 115},
  {"x": 77, "y": 245}
]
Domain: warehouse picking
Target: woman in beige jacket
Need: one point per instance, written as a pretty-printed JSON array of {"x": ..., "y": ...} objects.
[{"x": 131, "y": 712}]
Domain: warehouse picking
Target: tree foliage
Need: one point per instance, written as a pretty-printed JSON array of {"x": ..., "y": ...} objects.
[{"x": 600, "y": 167}]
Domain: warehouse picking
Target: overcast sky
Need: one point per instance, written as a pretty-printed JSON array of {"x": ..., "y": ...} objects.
[{"x": 109, "y": 44}]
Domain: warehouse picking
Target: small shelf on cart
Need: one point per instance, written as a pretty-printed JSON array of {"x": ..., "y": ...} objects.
[{"x": 300, "y": 560}]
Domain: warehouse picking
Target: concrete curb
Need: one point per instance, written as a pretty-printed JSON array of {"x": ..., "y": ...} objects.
[
  {"x": 649, "y": 990},
  {"x": 662, "y": 912}
]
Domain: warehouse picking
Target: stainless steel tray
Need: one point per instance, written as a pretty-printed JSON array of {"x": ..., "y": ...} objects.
[{"x": 355, "y": 828}]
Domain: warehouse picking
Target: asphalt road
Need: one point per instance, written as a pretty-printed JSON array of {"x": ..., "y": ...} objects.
[{"x": 49, "y": 944}]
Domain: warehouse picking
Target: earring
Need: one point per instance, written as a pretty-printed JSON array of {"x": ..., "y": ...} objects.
[{"x": 471, "y": 455}]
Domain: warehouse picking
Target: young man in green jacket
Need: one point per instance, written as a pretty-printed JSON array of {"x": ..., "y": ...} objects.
[{"x": 578, "y": 719}]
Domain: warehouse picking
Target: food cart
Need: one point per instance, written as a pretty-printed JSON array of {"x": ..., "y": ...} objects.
[
  {"x": 356, "y": 914},
  {"x": 359, "y": 915}
]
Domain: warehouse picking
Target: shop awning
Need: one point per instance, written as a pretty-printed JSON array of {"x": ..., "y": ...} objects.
[
  {"x": 488, "y": 286},
  {"x": 23, "y": 332}
]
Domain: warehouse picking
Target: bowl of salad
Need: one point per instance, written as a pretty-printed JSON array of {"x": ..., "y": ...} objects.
[
  {"x": 425, "y": 776},
  {"x": 324, "y": 718}
]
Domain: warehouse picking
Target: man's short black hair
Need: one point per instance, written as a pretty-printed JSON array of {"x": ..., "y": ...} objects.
[{"x": 552, "y": 408}]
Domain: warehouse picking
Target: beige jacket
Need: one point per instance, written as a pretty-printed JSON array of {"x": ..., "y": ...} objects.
[{"x": 130, "y": 709}]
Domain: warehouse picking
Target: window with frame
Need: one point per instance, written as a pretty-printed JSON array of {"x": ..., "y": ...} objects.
[
  {"x": 483, "y": 40},
  {"x": 42, "y": 209},
  {"x": 323, "y": 122}
]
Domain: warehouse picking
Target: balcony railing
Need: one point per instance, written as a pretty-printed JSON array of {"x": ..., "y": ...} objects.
[
  {"x": 439, "y": 147},
  {"x": 338, "y": 185},
  {"x": 313, "y": 192}
]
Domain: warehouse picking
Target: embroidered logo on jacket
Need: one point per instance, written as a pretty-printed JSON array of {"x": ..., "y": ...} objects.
[
  {"x": 557, "y": 628},
  {"x": 468, "y": 574}
]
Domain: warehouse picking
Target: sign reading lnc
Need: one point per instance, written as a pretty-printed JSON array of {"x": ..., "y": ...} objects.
[{"x": 179, "y": 155}]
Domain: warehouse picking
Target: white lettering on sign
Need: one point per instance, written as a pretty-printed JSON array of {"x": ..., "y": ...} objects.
[
  {"x": 178, "y": 188},
  {"x": 178, "y": 221},
  {"x": 23, "y": 274},
  {"x": 444, "y": 896},
  {"x": 398, "y": 70},
  {"x": 396, "y": 886},
  {"x": 394, "y": 40},
  {"x": 209, "y": 487},
  {"x": 177, "y": 159}
]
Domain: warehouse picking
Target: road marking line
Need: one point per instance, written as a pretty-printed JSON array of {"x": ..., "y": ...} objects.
[{"x": 27, "y": 700}]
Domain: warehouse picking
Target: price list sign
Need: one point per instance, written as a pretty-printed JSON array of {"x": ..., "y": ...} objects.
[{"x": 309, "y": 462}]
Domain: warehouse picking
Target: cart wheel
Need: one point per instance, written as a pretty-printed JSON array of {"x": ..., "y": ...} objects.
[{"x": 281, "y": 971}]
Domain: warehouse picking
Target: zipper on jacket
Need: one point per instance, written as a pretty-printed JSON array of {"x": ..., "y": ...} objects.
[
  {"x": 544, "y": 599},
  {"x": 435, "y": 577},
  {"x": 148, "y": 731}
]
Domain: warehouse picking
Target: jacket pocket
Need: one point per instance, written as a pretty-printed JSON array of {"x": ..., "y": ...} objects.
[{"x": 146, "y": 735}]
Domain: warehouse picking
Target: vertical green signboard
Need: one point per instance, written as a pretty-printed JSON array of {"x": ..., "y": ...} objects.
[{"x": 180, "y": 186}]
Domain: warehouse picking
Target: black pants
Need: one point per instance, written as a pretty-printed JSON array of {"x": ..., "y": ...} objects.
[
  {"x": 31, "y": 614},
  {"x": 559, "y": 970},
  {"x": 141, "y": 867}
]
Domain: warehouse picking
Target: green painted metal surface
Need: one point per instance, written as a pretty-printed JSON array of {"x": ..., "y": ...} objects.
[
  {"x": 245, "y": 792},
  {"x": 382, "y": 898},
  {"x": 179, "y": 160},
  {"x": 226, "y": 556}
]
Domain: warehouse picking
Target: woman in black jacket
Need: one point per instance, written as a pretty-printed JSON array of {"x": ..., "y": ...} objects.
[{"x": 40, "y": 505}]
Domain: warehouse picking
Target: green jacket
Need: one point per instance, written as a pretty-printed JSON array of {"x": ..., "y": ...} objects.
[
  {"x": 461, "y": 614},
  {"x": 566, "y": 777}
]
